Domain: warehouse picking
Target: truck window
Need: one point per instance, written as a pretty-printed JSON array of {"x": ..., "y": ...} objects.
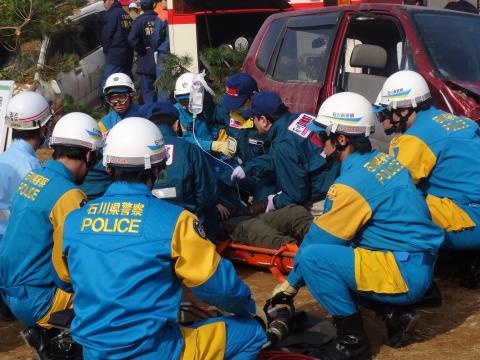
[
  {"x": 91, "y": 33},
  {"x": 303, "y": 55},
  {"x": 268, "y": 44},
  {"x": 451, "y": 48}
]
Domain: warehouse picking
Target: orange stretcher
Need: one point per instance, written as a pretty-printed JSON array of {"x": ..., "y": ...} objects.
[{"x": 278, "y": 261}]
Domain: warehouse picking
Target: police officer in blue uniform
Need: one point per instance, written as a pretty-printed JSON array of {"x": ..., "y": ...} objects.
[
  {"x": 240, "y": 88},
  {"x": 119, "y": 91},
  {"x": 140, "y": 39},
  {"x": 28, "y": 115},
  {"x": 161, "y": 46},
  {"x": 116, "y": 26},
  {"x": 140, "y": 251},
  {"x": 441, "y": 152},
  {"x": 303, "y": 176},
  {"x": 34, "y": 281},
  {"x": 188, "y": 180},
  {"x": 375, "y": 241}
]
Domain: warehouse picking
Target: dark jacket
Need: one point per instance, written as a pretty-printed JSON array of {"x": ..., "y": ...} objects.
[
  {"x": 116, "y": 26},
  {"x": 140, "y": 39}
]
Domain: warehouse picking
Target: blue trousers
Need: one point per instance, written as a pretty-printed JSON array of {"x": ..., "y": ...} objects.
[
  {"x": 329, "y": 273},
  {"x": 110, "y": 69},
  {"x": 146, "y": 84},
  {"x": 160, "y": 70}
]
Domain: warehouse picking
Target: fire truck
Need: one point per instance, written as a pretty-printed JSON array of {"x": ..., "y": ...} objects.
[{"x": 196, "y": 24}]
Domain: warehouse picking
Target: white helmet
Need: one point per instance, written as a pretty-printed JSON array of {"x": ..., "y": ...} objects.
[
  {"x": 184, "y": 83},
  {"x": 77, "y": 129},
  {"x": 404, "y": 89},
  {"x": 345, "y": 113},
  {"x": 134, "y": 142},
  {"x": 27, "y": 111},
  {"x": 119, "y": 80}
]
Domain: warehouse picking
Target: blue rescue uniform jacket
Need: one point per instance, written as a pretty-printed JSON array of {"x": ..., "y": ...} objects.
[
  {"x": 302, "y": 173},
  {"x": 441, "y": 151},
  {"x": 375, "y": 206},
  {"x": 16, "y": 162},
  {"x": 116, "y": 26},
  {"x": 140, "y": 39},
  {"x": 31, "y": 261},
  {"x": 112, "y": 118},
  {"x": 189, "y": 179},
  {"x": 140, "y": 252},
  {"x": 250, "y": 143}
]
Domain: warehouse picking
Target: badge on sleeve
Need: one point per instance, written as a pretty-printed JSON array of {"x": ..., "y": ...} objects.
[{"x": 199, "y": 229}]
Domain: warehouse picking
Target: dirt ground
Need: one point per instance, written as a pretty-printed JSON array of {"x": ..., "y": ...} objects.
[{"x": 446, "y": 332}]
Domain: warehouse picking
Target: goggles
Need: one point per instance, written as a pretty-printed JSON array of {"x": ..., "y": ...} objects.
[{"x": 117, "y": 99}]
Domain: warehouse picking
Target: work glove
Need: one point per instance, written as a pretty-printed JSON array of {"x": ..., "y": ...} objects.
[
  {"x": 283, "y": 293},
  {"x": 238, "y": 173},
  {"x": 221, "y": 147},
  {"x": 270, "y": 206}
]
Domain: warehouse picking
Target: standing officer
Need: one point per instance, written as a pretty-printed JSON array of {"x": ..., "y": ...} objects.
[
  {"x": 441, "y": 152},
  {"x": 140, "y": 252},
  {"x": 28, "y": 114},
  {"x": 303, "y": 175},
  {"x": 140, "y": 39},
  {"x": 116, "y": 26},
  {"x": 375, "y": 241},
  {"x": 34, "y": 281},
  {"x": 118, "y": 91}
]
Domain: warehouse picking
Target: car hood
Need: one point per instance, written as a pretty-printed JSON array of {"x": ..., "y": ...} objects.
[{"x": 472, "y": 86}]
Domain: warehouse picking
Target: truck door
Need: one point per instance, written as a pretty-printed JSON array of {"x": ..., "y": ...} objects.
[{"x": 293, "y": 56}]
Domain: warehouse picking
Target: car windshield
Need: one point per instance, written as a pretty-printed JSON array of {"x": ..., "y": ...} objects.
[{"x": 451, "y": 41}]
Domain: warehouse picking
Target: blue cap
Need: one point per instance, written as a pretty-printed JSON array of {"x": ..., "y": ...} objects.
[
  {"x": 315, "y": 127},
  {"x": 240, "y": 87},
  {"x": 118, "y": 90},
  {"x": 150, "y": 110},
  {"x": 263, "y": 103},
  {"x": 146, "y": 2}
]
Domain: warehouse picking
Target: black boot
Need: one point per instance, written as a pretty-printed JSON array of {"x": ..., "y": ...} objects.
[
  {"x": 37, "y": 338},
  {"x": 350, "y": 342},
  {"x": 401, "y": 323},
  {"x": 469, "y": 269}
]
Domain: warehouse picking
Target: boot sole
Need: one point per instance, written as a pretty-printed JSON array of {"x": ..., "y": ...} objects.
[{"x": 406, "y": 335}]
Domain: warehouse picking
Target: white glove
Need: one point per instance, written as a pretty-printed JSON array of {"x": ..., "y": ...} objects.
[
  {"x": 283, "y": 293},
  {"x": 237, "y": 173},
  {"x": 270, "y": 205}
]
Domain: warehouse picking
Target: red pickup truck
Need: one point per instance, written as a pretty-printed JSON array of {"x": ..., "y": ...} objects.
[{"x": 308, "y": 55}]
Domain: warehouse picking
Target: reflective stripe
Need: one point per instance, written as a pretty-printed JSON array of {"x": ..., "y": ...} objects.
[{"x": 166, "y": 193}]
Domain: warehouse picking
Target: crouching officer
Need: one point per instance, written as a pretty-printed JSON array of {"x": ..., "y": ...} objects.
[
  {"x": 441, "y": 152},
  {"x": 34, "y": 281},
  {"x": 118, "y": 91},
  {"x": 188, "y": 180},
  {"x": 140, "y": 251},
  {"x": 375, "y": 242},
  {"x": 28, "y": 115}
]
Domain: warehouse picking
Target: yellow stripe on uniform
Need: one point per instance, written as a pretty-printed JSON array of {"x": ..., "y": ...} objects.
[
  {"x": 68, "y": 202},
  {"x": 378, "y": 272},
  {"x": 61, "y": 301},
  {"x": 103, "y": 128},
  {"x": 348, "y": 204},
  {"x": 206, "y": 342},
  {"x": 196, "y": 258},
  {"x": 448, "y": 215},
  {"x": 414, "y": 154}
]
